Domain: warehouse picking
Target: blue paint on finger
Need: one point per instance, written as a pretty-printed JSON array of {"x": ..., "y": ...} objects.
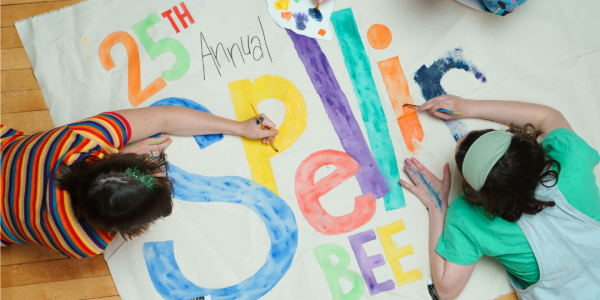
[
  {"x": 431, "y": 191},
  {"x": 261, "y": 120}
]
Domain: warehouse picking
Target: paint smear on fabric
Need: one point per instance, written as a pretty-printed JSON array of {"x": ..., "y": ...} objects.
[
  {"x": 301, "y": 20},
  {"x": 287, "y": 15},
  {"x": 322, "y": 32},
  {"x": 315, "y": 14},
  {"x": 243, "y": 92},
  {"x": 430, "y": 81},
  {"x": 166, "y": 276},
  {"x": 282, "y": 5},
  {"x": 308, "y": 193},
  {"x": 368, "y": 263},
  {"x": 397, "y": 88},
  {"x": 333, "y": 273},
  {"x": 379, "y": 36},
  {"x": 359, "y": 67},
  {"x": 339, "y": 112},
  {"x": 393, "y": 253}
]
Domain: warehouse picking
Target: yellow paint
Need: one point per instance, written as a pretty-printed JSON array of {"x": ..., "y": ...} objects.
[
  {"x": 87, "y": 50},
  {"x": 267, "y": 87},
  {"x": 393, "y": 253},
  {"x": 282, "y": 4}
]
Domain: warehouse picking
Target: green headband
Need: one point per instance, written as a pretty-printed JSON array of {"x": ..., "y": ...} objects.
[{"x": 483, "y": 155}]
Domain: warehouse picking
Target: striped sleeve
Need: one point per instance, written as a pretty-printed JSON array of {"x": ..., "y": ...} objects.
[{"x": 110, "y": 130}]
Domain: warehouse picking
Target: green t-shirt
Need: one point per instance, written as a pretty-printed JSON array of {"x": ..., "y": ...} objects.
[{"x": 468, "y": 233}]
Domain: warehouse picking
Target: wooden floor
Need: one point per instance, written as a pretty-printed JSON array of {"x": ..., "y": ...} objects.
[{"x": 31, "y": 271}]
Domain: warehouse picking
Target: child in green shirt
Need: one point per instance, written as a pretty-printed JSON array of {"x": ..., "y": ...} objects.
[{"x": 503, "y": 172}]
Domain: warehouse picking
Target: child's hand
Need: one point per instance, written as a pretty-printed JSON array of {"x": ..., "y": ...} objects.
[
  {"x": 253, "y": 130},
  {"x": 432, "y": 192},
  {"x": 448, "y": 102},
  {"x": 319, "y": 1},
  {"x": 152, "y": 146}
]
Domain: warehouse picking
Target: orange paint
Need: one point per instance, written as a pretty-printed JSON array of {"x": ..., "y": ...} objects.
[
  {"x": 397, "y": 88},
  {"x": 322, "y": 32},
  {"x": 379, "y": 36},
  {"x": 287, "y": 15},
  {"x": 136, "y": 94}
]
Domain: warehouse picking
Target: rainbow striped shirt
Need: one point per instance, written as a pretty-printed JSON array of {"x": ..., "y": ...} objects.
[{"x": 34, "y": 210}]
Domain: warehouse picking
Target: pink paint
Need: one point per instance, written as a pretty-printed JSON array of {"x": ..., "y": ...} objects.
[{"x": 308, "y": 193}]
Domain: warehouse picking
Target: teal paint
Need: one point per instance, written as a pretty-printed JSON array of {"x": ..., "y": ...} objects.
[{"x": 359, "y": 68}]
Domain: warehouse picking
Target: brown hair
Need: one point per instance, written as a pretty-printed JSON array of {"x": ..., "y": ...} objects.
[
  {"x": 118, "y": 193},
  {"x": 509, "y": 190}
]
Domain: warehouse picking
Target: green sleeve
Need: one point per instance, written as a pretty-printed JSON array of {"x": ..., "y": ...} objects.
[
  {"x": 570, "y": 150},
  {"x": 577, "y": 160},
  {"x": 456, "y": 243}
]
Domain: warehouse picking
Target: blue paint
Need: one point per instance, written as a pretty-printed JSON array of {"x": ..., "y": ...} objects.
[
  {"x": 279, "y": 220},
  {"x": 359, "y": 67},
  {"x": 301, "y": 20},
  {"x": 430, "y": 81},
  {"x": 315, "y": 14},
  {"x": 261, "y": 120},
  {"x": 202, "y": 140},
  {"x": 431, "y": 190}
]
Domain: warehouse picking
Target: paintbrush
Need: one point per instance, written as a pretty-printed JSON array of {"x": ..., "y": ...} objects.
[
  {"x": 440, "y": 110},
  {"x": 262, "y": 126}
]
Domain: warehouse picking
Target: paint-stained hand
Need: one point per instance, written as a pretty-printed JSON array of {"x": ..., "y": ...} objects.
[
  {"x": 152, "y": 146},
  {"x": 448, "y": 102},
  {"x": 428, "y": 188},
  {"x": 253, "y": 130}
]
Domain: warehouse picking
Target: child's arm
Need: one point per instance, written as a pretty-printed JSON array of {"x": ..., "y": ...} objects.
[
  {"x": 182, "y": 121},
  {"x": 449, "y": 278},
  {"x": 540, "y": 116}
]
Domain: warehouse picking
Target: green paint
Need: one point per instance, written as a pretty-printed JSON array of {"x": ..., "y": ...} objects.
[
  {"x": 133, "y": 144},
  {"x": 359, "y": 67},
  {"x": 145, "y": 178},
  {"x": 182, "y": 57},
  {"x": 333, "y": 274}
]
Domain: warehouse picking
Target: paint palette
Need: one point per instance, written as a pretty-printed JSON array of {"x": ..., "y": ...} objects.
[{"x": 302, "y": 17}]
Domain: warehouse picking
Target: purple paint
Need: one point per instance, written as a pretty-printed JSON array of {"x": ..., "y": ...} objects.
[
  {"x": 338, "y": 109},
  {"x": 368, "y": 263},
  {"x": 301, "y": 20}
]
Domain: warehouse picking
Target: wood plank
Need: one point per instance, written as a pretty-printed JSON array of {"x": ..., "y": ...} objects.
[
  {"x": 18, "y": 80},
  {"x": 51, "y": 271},
  {"x": 13, "y": 13},
  {"x": 10, "y": 38},
  {"x": 31, "y": 121},
  {"x": 86, "y": 288},
  {"x": 20, "y": 254},
  {"x": 511, "y": 296},
  {"x": 22, "y": 101},
  {"x": 14, "y": 59},
  {"x": 8, "y": 2}
]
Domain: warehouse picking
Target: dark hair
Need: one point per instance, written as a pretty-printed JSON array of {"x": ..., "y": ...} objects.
[
  {"x": 509, "y": 190},
  {"x": 118, "y": 193}
]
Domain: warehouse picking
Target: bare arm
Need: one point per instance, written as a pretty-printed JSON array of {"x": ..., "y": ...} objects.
[
  {"x": 182, "y": 121},
  {"x": 449, "y": 278},
  {"x": 542, "y": 117}
]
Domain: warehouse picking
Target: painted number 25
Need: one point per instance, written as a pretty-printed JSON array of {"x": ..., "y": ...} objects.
[{"x": 136, "y": 94}]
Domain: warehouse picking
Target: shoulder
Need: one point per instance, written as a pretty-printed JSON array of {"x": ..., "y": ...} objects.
[
  {"x": 110, "y": 130},
  {"x": 562, "y": 144}
]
